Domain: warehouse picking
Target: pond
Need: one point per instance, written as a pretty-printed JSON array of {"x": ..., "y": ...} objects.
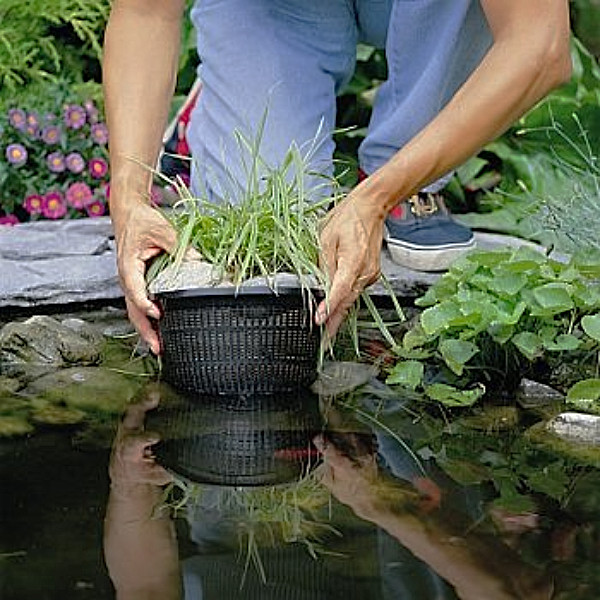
[{"x": 408, "y": 503}]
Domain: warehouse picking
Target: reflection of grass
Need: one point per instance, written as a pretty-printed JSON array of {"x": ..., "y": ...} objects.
[{"x": 266, "y": 516}]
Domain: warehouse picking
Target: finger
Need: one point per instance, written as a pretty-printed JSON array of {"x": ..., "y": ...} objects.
[
  {"x": 133, "y": 282},
  {"x": 341, "y": 290},
  {"x": 143, "y": 326}
]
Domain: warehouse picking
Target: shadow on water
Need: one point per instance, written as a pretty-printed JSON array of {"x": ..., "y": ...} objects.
[{"x": 294, "y": 496}]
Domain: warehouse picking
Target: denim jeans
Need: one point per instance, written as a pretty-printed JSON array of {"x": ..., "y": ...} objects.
[{"x": 289, "y": 59}]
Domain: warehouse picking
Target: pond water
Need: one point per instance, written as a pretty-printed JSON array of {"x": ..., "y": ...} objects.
[{"x": 406, "y": 505}]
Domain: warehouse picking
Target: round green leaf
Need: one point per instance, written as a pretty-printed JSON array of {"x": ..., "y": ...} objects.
[
  {"x": 408, "y": 373},
  {"x": 587, "y": 390},
  {"x": 528, "y": 343},
  {"x": 457, "y": 352},
  {"x": 591, "y": 325}
]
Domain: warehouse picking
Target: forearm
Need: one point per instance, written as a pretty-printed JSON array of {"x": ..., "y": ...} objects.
[
  {"x": 140, "y": 546},
  {"x": 464, "y": 560},
  {"x": 140, "y": 65},
  {"x": 528, "y": 58}
]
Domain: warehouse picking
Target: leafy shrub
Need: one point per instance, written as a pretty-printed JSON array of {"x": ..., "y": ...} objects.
[
  {"x": 495, "y": 312},
  {"x": 40, "y": 40}
]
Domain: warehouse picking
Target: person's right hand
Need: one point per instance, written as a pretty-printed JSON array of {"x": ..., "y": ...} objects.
[{"x": 141, "y": 233}]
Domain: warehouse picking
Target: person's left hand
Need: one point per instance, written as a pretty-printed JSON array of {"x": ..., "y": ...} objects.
[{"x": 350, "y": 253}]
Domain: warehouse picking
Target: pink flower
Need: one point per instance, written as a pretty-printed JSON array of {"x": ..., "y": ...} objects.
[
  {"x": 51, "y": 134},
  {"x": 16, "y": 154},
  {"x": 54, "y": 206},
  {"x": 98, "y": 168},
  {"x": 33, "y": 204},
  {"x": 96, "y": 208},
  {"x": 8, "y": 220},
  {"x": 17, "y": 118},
  {"x": 78, "y": 194}
]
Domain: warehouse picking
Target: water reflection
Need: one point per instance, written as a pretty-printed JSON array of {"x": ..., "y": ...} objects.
[{"x": 370, "y": 522}]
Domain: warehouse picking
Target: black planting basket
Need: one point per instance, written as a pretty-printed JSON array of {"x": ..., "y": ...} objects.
[
  {"x": 228, "y": 441},
  {"x": 249, "y": 340}
]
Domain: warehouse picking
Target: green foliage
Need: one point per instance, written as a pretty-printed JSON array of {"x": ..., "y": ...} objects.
[
  {"x": 39, "y": 38},
  {"x": 497, "y": 309},
  {"x": 544, "y": 170}
]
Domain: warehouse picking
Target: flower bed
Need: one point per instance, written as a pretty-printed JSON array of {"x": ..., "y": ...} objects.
[{"x": 53, "y": 167}]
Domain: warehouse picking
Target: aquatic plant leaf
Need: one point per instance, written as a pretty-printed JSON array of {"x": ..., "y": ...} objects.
[
  {"x": 437, "y": 318},
  {"x": 453, "y": 397},
  {"x": 562, "y": 342},
  {"x": 508, "y": 283},
  {"x": 551, "y": 480},
  {"x": 528, "y": 343},
  {"x": 457, "y": 353},
  {"x": 554, "y": 296},
  {"x": 408, "y": 373},
  {"x": 591, "y": 325},
  {"x": 587, "y": 390}
]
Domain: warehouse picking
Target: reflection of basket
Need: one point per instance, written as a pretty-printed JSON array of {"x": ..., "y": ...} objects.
[
  {"x": 222, "y": 440},
  {"x": 219, "y": 341}
]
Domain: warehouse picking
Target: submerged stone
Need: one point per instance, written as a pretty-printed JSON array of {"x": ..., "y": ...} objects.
[
  {"x": 91, "y": 389},
  {"x": 52, "y": 414},
  {"x": 492, "y": 418},
  {"x": 14, "y": 425}
]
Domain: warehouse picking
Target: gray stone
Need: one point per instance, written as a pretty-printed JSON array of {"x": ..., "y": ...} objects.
[
  {"x": 42, "y": 341},
  {"x": 58, "y": 262},
  {"x": 576, "y": 427},
  {"x": 532, "y": 394},
  {"x": 337, "y": 378}
]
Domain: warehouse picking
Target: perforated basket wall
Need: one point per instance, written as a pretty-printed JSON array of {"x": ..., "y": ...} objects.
[{"x": 218, "y": 342}]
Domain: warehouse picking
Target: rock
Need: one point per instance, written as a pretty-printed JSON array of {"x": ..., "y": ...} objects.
[
  {"x": 58, "y": 262},
  {"x": 575, "y": 436},
  {"x": 90, "y": 389},
  {"x": 190, "y": 274},
  {"x": 337, "y": 378},
  {"x": 532, "y": 394},
  {"x": 57, "y": 415},
  {"x": 42, "y": 341},
  {"x": 8, "y": 386},
  {"x": 14, "y": 425},
  {"x": 492, "y": 418},
  {"x": 577, "y": 427}
]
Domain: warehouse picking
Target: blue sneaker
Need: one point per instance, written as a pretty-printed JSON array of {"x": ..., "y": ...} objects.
[{"x": 422, "y": 235}]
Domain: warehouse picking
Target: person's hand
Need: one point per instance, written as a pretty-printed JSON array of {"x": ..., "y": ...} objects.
[
  {"x": 141, "y": 233},
  {"x": 132, "y": 464},
  {"x": 350, "y": 252}
]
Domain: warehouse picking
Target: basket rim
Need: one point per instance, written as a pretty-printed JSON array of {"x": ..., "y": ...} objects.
[{"x": 234, "y": 291}]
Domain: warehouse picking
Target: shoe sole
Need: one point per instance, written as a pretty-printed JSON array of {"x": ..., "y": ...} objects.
[{"x": 430, "y": 258}]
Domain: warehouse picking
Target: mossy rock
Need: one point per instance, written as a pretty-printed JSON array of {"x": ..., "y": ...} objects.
[
  {"x": 90, "y": 389},
  {"x": 8, "y": 385},
  {"x": 54, "y": 415},
  {"x": 492, "y": 418},
  {"x": 14, "y": 405},
  {"x": 582, "y": 453},
  {"x": 11, "y": 426}
]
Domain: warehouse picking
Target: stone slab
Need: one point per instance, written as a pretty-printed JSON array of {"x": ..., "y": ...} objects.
[{"x": 63, "y": 262}]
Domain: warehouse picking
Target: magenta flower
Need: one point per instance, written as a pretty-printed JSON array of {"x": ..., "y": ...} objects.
[
  {"x": 98, "y": 168},
  {"x": 56, "y": 162},
  {"x": 75, "y": 116},
  {"x": 79, "y": 194},
  {"x": 75, "y": 162},
  {"x": 95, "y": 209},
  {"x": 54, "y": 205},
  {"x": 99, "y": 133},
  {"x": 33, "y": 204},
  {"x": 51, "y": 134},
  {"x": 9, "y": 220},
  {"x": 17, "y": 118},
  {"x": 16, "y": 154}
]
